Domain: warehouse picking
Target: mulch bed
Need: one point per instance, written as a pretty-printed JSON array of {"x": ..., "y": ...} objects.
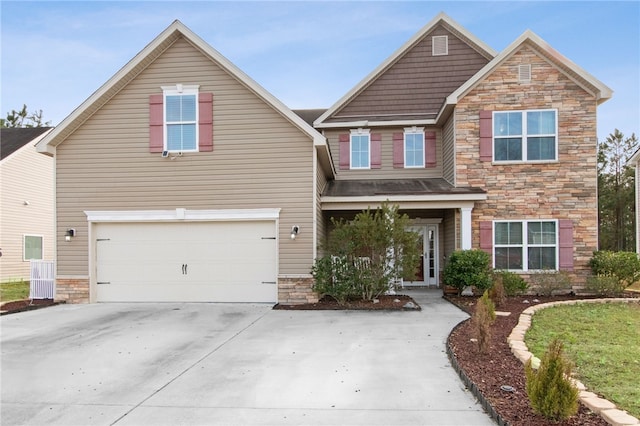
[
  {"x": 381, "y": 303},
  {"x": 25, "y": 305},
  {"x": 488, "y": 372}
]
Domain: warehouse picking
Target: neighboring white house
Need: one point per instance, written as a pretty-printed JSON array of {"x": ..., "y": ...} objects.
[
  {"x": 26, "y": 202},
  {"x": 634, "y": 162}
]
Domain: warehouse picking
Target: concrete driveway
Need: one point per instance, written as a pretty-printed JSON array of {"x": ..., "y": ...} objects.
[{"x": 192, "y": 364}]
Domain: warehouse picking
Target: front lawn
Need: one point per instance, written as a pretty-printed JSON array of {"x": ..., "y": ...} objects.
[
  {"x": 14, "y": 290},
  {"x": 602, "y": 341}
]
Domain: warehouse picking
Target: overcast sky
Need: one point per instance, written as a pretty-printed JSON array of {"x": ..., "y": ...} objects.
[{"x": 308, "y": 54}]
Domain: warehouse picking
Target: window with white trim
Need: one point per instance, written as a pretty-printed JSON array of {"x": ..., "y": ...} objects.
[
  {"x": 414, "y": 147},
  {"x": 525, "y": 135},
  {"x": 530, "y": 245},
  {"x": 360, "y": 149},
  {"x": 180, "y": 118},
  {"x": 32, "y": 247}
]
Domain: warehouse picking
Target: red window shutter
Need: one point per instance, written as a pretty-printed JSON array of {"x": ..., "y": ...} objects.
[
  {"x": 430, "y": 149},
  {"x": 344, "y": 141},
  {"x": 205, "y": 122},
  {"x": 486, "y": 136},
  {"x": 156, "y": 123},
  {"x": 376, "y": 150},
  {"x": 566, "y": 244},
  {"x": 398, "y": 150},
  {"x": 486, "y": 236}
]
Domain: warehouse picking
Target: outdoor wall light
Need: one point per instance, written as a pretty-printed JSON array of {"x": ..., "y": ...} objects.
[
  {"x": 71, "y": 232},
  {"x": 294, "y": 231}
]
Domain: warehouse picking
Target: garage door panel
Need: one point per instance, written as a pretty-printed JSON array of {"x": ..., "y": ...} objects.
[{"x": 223, "y": 262}]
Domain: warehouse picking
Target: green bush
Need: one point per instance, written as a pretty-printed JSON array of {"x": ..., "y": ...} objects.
[
  {"x": 550, "y": 390},
  {"x": 468, "y": 268},
  {"x": 513, "y": 283},
  {"x": 605, "y": 285},
  {"x": 363, "y": 257},
  {"x": 624, "y": 266},
  {"x": 546, "y": 283}
]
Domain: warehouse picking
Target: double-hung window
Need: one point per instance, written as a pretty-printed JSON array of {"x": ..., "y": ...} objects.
[
  {"x": 526, "y": 245},
  {"x": 525, "y": 135},
  {"x": 414, "y": 148},
  {"x": 32, "y": 247},
  {"x": 181, "y": 118},
  {"x": 360, "y": 149}
]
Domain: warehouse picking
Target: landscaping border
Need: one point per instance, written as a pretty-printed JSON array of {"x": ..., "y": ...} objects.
[{"x": 606, "y": 409}]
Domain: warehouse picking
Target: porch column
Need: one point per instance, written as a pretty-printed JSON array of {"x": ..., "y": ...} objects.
[{"x": 465, "y": 228}]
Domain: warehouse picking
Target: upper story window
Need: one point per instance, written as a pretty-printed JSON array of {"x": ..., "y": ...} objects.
[
  {"x": 180, "y": 118},
  {"x": 32, "y": 248},
  {"x": 525, "y": 135},
  {"x": 526, "y": 245},
  {"x": 414, "y": 155},
  {"x": 360, "y": 151}
]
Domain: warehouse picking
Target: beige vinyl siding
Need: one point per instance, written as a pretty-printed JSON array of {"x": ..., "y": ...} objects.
[
  {"x": 449, "y": 151},
  {"x": 27, "y": 176},
  {"x": 387, "y": 171},
  {"x": 416, "y": 85},
  {"x": 450, "y": 233},
  {"x": 259, "y": 160},
  {"x": 321, "y": 226}
]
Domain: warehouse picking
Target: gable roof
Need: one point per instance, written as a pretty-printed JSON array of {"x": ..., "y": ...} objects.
[
  {"x": 143, "y": 59},
  {"x": 14, "y": 138},
  {"x": 581, "y": 77},
  {"x": 440, "y": 20}
]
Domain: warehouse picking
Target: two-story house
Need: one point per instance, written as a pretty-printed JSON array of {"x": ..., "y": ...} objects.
[{"x": 181, "y": 179}]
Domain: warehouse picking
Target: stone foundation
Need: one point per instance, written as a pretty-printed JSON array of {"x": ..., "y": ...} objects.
[
  {"x": 72, "y": 290},
  {"x": 296, "y": 290}
]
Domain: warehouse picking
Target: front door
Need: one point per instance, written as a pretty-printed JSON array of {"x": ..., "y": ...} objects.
[{"x": 427, "y": 268}]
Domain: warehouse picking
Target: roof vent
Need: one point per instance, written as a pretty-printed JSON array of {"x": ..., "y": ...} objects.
[
  {"x": 524, "y": 73},
  {"x": 440, "y": 45}
]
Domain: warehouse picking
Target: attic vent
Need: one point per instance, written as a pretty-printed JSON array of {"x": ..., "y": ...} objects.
[
  {"x": 439, "y": 45},
  {"x": 524, "y": 73}
]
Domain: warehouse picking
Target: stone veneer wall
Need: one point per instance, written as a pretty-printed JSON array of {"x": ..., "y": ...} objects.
[
  {"x": 565, "y": 189},
  {"x": 296, "y": 290},
  {"x": 72, "y": 290}
]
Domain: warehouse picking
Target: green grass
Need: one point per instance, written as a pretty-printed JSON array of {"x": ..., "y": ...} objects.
[
  {"x": 603, "y": 342},
  {"x": 14, "y": 290}
]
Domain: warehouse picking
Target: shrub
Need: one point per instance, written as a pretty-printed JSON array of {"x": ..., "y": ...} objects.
[
  {"x": 497, "y": 292},
  {"x": 624, "y": 266},
  {"x": 364, "y": 256},
  {"x": 468, "y": 268},
  {"x": 513, "y": 283},
  {"x": 605, "y": 285},
  {"x": 550, "y": 390},
  {"x": 481, "y": 321},
  {"x": 546, "y": 283}
]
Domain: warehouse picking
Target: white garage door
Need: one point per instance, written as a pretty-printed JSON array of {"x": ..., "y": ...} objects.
[{"x": 186, "y": 262}]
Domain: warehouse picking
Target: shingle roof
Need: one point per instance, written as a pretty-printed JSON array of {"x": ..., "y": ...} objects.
[
  {"x": 12, "y": 139},
  {"x": 359, "y": 188}
]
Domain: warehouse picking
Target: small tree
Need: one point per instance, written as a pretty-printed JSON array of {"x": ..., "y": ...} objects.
[
  {"x": 549, "y": 388},
  {"x": 364, "y": 256},
  {"x": 483, "y": 318},
  {"x": 467, "y": 268}
]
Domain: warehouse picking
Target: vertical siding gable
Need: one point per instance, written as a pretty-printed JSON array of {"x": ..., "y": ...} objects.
[{"x": 417, "y": 83}]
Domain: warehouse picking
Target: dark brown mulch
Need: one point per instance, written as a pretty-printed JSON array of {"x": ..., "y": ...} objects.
[
  {"x": 396, "y": 303},
  {"x": 500, "y": 367},
  {"x": 26, "y": 305}
]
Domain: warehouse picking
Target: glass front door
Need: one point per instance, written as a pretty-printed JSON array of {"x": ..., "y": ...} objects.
[{"x": 427, "y": 268}]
